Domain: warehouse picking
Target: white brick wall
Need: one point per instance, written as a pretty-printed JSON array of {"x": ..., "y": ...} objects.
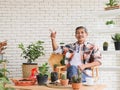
[{"x": 29, "y": 20}]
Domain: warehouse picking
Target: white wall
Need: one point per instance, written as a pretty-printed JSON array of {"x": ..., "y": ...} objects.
[{"x": 29, "y": 20}]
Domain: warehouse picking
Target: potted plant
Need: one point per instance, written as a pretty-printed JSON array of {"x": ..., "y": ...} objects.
[
  {"x": 112, "y": 4},
  {"x": 116, "y": 39},
  {"x": 64, "y": 80},
  {"x": 76, "y": 81},
  {"x": 55, "y": 67},
  {"x": 54, "y": 77},
  {"x": 110, "y": 23},
  {"x": 31, "y": 53},
  {"x": 42, "y": 76},
  {"x": 2, "y": 48},
  {"x": 105, "y": 46},
  {"x": 63, "y": 59}
]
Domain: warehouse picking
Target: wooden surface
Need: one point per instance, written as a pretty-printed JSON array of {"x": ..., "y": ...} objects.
[{"x": 38, "y": 87}]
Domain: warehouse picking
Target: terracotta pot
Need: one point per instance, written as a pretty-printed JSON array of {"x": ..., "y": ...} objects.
[
  {"x": 76, "y": 86},
  {"x": 24, "y": 82},
  {"x": 64, "y": 82}
]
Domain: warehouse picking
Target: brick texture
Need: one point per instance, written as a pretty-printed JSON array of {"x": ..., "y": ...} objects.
[{"x": 30, "y": 20}]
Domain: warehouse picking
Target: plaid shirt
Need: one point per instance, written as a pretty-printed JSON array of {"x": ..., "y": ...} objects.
[{"x": 88, "y": 52}]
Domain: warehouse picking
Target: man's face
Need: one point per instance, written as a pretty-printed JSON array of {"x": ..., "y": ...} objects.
[{"x": 81, "y": 35}]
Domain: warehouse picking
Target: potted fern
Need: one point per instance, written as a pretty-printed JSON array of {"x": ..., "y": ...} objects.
[
  {"x": 31, "y": 53},
  {"x": 76, "y": 81},
  {"x": 116, "y": 39}
]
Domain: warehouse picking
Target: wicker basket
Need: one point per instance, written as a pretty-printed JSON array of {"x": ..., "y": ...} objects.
[{"x": 26, "y": 69}]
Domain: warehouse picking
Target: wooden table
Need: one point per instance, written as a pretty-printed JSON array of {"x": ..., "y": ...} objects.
[{"x": 38, "y": 87}]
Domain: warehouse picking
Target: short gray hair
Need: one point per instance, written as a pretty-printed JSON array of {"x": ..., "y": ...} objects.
[{"x": 81, "y": 27}]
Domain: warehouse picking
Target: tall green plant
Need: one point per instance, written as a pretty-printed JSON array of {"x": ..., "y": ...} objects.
[
  {"x": 32, "y": 51},
  {"x": 116, "y": 37}
]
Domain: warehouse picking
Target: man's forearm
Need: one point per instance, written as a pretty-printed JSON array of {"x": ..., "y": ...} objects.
[
  {"x": 54, "y": 44},
  {"x": 88, "y": 65}
]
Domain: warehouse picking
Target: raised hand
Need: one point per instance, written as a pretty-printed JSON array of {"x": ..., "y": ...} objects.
[{"x": 53, "y": 34}]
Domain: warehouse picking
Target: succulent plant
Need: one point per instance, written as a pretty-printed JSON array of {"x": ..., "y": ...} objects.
[
  {"x": 112, "y": 3},
  {"x": 110, "y": 22},
  {"x": 116, "y": 37},
  {"x": 63, "y": 76},
  {"x": 105, "y": 44},
  {"x": 77, "y": 78}
]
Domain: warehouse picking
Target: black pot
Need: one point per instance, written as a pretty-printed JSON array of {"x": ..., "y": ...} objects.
[
  {"x": 54, "y": 76},
  {"x": 105, "y": 48},
  {"x": 42, "y": 79},
  {"x": 117, "y": 45}
]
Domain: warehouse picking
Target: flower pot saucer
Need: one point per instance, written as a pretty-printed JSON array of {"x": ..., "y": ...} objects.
[{"x": 24, "y": 82}]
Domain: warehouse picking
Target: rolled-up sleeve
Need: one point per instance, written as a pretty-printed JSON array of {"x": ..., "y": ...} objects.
[
  {"x": 58, "y": 50},
  {"x": 97, "y": 55}
]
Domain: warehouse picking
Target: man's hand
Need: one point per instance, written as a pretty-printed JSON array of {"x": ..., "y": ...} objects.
[
  {"x": 53, "y": 34},
  {"x": 81, "y": 67}
]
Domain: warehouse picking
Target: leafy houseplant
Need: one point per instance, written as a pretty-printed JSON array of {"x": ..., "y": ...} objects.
[
  {"x": 42, "y": 77},
  {"x": 32, "y": 52},
  {"x": 76, "y": 81},
  {"x": 105, "y": 46},
  {"x": 116, "y": 39}
]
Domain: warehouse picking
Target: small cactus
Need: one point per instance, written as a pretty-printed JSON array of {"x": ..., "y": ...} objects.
[
  {"x": 63, "y": 76},
  {"x": 105, "y": 44},
  {"x": 77, "y": 78}
]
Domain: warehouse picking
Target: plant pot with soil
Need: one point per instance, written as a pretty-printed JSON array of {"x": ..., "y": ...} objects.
[
  {"x": 42, "y": 76},
  {"x": 54, "y": 76},
  {"x": 76, "y": 81},
  {"x": 112, "y": 4},
  {"x": 64, "y": 81},
  {"x": 105, "y": 46},
  {"x": 31, "y": 53},
  {"x": 116, "y": 39}
]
